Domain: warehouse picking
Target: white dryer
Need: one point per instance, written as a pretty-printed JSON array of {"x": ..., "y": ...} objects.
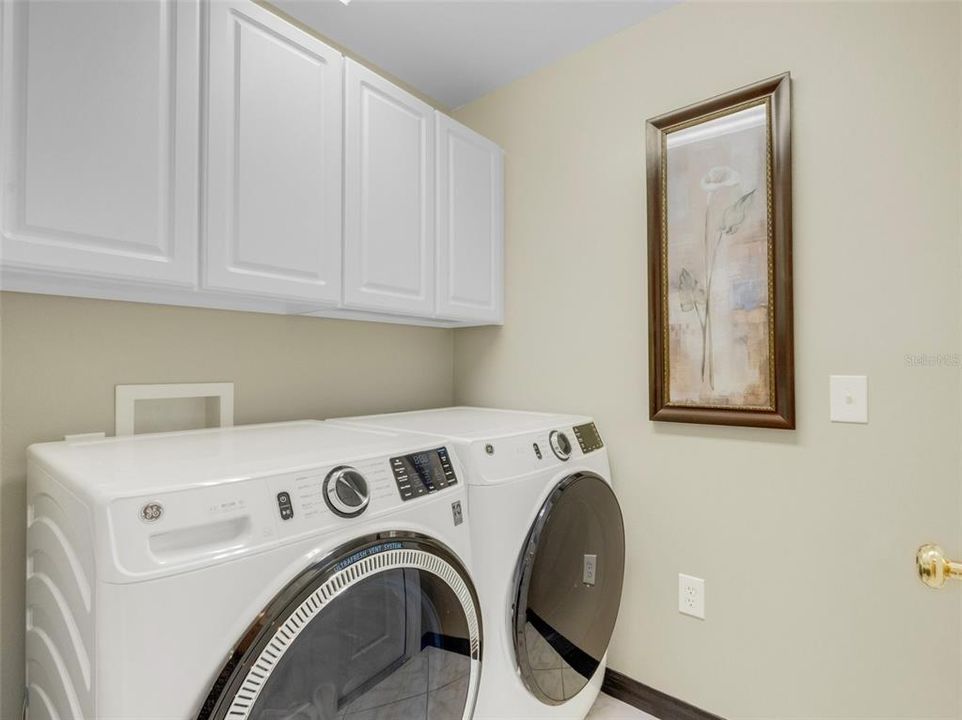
[
  {"x": 548, "y": 552},
  {"x": 294, "y": 571}
]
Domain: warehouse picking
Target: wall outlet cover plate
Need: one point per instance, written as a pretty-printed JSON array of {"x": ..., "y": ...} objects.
[{"x": 691, "y": 596}]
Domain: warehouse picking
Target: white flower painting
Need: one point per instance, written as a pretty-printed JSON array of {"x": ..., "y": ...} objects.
[{"x": 718, "y": 263}]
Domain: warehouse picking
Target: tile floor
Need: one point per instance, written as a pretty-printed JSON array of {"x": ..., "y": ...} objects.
[
  {"x": 432, "y": 685},
  {"x": 442, "y": 678},
  {"x": 607, "y": 708}
]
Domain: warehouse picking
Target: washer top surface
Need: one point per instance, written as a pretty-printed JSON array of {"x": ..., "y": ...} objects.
[
  {"x": 466, "y": 423},
  {"x": 167, "y": 461}
]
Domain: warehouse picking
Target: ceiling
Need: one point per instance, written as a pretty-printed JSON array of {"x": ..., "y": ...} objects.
[{"x": 458, "y": 50}]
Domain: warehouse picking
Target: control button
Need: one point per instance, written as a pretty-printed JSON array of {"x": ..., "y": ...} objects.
[
  {"x": 560, "y": 445},
  {"x": 346, "y": 492},
  {"x": 537, "y": 450},
  {"x": 285, "y": 506}
]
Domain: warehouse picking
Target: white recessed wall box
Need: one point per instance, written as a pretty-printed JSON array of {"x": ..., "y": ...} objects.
[{"x": 180, "y": 406}]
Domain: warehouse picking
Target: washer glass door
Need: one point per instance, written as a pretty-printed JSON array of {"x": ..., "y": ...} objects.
[
  {"x": 387, "y": 627},
  {"x": 568, "y": 588}
]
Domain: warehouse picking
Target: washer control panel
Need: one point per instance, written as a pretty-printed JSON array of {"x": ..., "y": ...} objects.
[
  {"x": 422, "y": 473},
  {"x": 303, "y": 501},
  {"x": 588, "y": 437}
]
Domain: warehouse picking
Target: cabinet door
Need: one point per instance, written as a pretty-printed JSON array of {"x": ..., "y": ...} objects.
[
  {"x": 100, "y": 138},
  {"x": 389, "y": 200},
  {"x": 274, "y": 163},
  {"x": 470, "y": 224}
]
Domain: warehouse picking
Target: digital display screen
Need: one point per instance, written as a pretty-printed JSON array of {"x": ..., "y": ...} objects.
[
  {"x": 588, "y": 437},
  {"x": 423, "y": 473},
  {"x": 427, "y": 467}
]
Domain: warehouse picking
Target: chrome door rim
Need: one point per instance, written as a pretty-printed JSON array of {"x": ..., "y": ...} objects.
[
  {"x": 522, "y": 581},
  {"x": 276, "y": 628}
]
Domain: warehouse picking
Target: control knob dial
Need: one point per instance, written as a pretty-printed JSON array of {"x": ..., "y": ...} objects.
[
  {"x": 560, "y": 444},
  {"x": 346, "y": 492}
]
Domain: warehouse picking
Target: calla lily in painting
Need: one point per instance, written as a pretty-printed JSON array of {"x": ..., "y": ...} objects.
[
  {"x": 718, "y": 177},
  {"x": 734, "y": 214},
  {"x": 693, "y": 296}
]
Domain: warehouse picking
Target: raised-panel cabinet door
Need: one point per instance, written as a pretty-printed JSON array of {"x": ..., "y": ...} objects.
[
  {"x": 274, "y": 162},
  {"x": 470, "y": 245},
  {"x": 100, "y": 113},
  {"x": 389, "y": 197}
]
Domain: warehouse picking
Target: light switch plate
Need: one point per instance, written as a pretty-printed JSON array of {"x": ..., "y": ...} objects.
[{"x": 848, "y": 395}]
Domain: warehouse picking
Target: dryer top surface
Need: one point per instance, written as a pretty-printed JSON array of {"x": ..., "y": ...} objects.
[{"x": 466, "y": 423}]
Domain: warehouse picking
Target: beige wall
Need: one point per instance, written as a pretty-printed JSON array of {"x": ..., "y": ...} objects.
[
  {"x": 806, "y": 539},
  {"x": 62, "y": 358}
]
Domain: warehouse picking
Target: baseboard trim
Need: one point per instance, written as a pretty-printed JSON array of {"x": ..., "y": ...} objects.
[{"x": 654, "y": 702}]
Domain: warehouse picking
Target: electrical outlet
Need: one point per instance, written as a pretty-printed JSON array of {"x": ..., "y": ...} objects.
[{"x": 691, "y": 596}]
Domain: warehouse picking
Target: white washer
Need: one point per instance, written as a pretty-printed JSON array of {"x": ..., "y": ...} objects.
[
  {"x": 296, "y": 571},
  {"x": 548, "y": 551}
]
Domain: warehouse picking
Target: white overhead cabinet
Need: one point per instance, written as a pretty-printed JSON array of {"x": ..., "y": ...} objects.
[
  {"x": 389, "y": 197},
  {"x": 424, "y": 224},
  {"x": 100, "y": 142},
  {"x": 470, "y": 228},
  {"x": 326, "y": 189},
  {"x": 274, "y": 158}
]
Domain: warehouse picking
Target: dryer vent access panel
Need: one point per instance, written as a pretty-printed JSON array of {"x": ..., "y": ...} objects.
[{"x": 172, "y": 407}]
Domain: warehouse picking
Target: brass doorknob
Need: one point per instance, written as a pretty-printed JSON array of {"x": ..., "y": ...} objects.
[{"x": 934, "y": 567}]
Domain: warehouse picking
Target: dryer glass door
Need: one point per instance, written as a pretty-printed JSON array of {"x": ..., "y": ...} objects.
[
  {"x": 387, "y": 627},
  {"x": 568, "y": 588}
]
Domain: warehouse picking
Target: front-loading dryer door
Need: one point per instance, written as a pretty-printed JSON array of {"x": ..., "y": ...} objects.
[
  {"x": 386, "y": 626},
  {"x": 568, "y": 587}
]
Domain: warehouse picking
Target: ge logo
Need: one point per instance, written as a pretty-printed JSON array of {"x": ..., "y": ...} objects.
[{"x": 151, "y": 512}]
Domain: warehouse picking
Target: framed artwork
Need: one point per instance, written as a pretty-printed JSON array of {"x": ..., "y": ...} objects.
[{"x": 720, "y": 260}]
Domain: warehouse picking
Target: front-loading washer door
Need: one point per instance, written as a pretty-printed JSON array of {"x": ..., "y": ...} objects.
[
  {"x": 568, "y": 588},
  {"x": 386, "y": 626}
]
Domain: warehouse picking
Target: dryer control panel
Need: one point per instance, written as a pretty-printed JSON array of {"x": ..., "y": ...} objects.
[
  {"x": 588, "y": 437},
  {"x": 422, "y": 473}
]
